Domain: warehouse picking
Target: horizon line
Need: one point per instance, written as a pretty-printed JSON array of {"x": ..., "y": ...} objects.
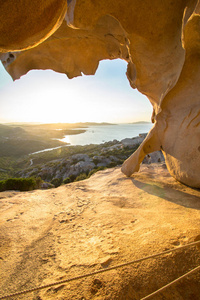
[{"x": 87, "y": 122}]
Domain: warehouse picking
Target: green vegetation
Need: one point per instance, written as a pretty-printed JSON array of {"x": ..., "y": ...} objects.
[
  {"x": 21, "y": 184},
  {"x": 67, "y": 180},
  {"x": 96, "y": 170},
  {"x": 82, "y": 176},
  {"x": 49, "y": 162},
  {"x": 16, "y": 162},
  {"x": 17, "y": 141},
  {"x": 56, "y": 181},
  {"x": 22, "y": 139}
]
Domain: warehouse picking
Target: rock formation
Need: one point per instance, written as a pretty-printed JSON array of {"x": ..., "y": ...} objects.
[
  {"x": 28, "y": 23},
  {"x": 160, "y": 40},
  {"x": 177, "y": 127},
  {"x": 109, "y": 219}
]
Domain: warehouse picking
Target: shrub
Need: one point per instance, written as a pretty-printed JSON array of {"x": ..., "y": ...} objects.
[
  {"x": 72, "y": 177},
  {"x": 82, "y": 176},
  {"x": 96, "y": 161},
  {"x": 56, "y": 181},
  {"x": 112, "y": 164},
  {"x": 2, "y": 185},
  {"x": 92, "y": 172},
  {"x": 67, "y": 180},
  {"x": 39, "y": 182},
  {"x": 96, "y": 170},
  {"x": 21, "y": 184}
]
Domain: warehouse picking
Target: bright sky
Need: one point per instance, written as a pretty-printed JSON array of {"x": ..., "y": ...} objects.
[{"x": 48, "y": 97}]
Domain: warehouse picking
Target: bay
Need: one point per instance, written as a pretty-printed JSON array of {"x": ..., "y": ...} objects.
[{"x": 104, "y": 133}]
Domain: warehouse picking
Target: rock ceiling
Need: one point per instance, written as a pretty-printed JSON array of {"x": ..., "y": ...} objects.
[{"x": 159, "y": 40}]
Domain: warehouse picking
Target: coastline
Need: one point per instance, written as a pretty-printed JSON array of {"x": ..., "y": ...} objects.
[
  {"x": 99, "y": 134},
  {"x": 74, "y": 163},
  {"x": 29, "y": 151}
]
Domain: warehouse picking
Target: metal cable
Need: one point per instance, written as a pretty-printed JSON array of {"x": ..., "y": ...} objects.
[
  {"x": 171, "y": 283},
  {"x": 97, "y": 272}
]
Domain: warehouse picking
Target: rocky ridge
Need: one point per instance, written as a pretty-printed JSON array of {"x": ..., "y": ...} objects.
[{"x": 110, "y": 154}]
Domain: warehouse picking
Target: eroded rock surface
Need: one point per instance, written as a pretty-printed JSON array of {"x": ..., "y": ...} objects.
[
  {"x": 109, "y": 219},
  {"x": 177, "y": 127},
  {"x": 27, "y": 23},
  {"x": 159, "y": 40}
]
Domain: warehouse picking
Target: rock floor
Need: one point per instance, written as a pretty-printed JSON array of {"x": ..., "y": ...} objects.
[{"x": 108, "y": 219}]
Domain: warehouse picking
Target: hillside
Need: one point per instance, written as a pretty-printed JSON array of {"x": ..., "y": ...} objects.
[
  {"x": 22, "y": 139},
  {"x": 97, "y": 223},
  {"x": 62, "y": 162},
  {"x": 17, "y": 141}
]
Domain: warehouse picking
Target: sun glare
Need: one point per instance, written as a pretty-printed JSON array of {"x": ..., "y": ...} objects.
[{"x": 49, "y": 97}]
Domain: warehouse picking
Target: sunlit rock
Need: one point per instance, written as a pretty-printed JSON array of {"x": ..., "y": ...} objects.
[
  {"x": 181, "y": 113},
  {"x": 73, "y": 52},
  {"x": 177, "y": 127},
  {"x": 162, "y": 64},
  {"x": 26, "y": 23}
]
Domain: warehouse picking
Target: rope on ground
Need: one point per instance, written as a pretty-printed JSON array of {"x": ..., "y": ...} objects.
[
  {"x": 97, "y": 272},
  {"x": 171, "y": 283}
]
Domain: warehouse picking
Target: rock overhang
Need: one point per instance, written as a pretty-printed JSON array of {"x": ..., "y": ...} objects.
[{"x": 158, "y": 40}]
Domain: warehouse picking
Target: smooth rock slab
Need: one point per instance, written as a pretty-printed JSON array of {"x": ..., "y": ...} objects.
[{"x": 103, "y": 221}]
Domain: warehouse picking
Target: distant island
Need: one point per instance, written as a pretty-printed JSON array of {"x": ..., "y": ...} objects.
[
  {"x": 94, "y": 123},
  {"x": 141, "y": 122},
  {"x": 56, "y": 125}
]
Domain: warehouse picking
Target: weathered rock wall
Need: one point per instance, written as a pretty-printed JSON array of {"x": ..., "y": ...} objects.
[
  {"x": 160, "y": 42},
  {"x": 177, "y": 127}
]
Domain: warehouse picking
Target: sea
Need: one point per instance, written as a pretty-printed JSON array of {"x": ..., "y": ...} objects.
[{"x": 99, "y": 134}]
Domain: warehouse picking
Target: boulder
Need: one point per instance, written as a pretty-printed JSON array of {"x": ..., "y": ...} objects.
[
  {"x": 101, "y": 161},
  {"x": 80, "y": 157},
  {"x": 78, "y": 168},
  {"x": 132, "y": 142},
  {"x": 112, "y": 148},
  {"x": 154, "y": 157},
  {"x": 46, "y": 185}
]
